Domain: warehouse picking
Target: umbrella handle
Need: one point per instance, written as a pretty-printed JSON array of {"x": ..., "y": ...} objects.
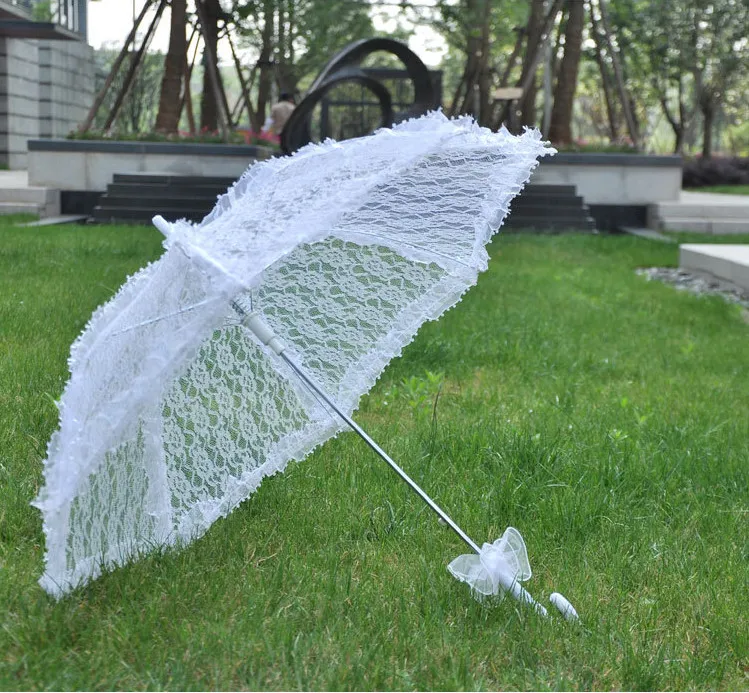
[
  {"x": 514, "y": 588},
  {"x": 509, "y": 583}
]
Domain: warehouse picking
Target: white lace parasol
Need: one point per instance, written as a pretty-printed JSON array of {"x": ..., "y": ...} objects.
[{"x": 175, "y": 411}]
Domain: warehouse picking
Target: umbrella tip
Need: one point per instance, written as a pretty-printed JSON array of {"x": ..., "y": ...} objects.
[
  {"x": 564, "y": 607},
  {"x": 162, "y": 225}
]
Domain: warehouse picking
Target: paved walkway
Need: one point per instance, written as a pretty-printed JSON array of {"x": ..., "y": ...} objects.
[
  {"x": 729, "y": 263},
  {"x": 720, "y": 199}
]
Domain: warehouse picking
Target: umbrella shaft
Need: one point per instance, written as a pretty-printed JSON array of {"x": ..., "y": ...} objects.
[{"x": 357, "y": 429}]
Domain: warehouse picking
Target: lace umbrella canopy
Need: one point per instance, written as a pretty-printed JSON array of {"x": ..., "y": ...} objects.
[{"x": 175, "y": 410}]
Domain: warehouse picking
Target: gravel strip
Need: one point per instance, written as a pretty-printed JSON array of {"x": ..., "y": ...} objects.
[{"x": 699, "y": 284}]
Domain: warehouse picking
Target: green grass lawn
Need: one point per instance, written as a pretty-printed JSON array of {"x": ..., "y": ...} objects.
[
  {"x": 604, "y": 416},
  {"x": 725, "y": 189}
]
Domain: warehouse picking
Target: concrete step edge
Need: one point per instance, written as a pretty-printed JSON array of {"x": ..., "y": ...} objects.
[
  {"x": 21, "y": 207},
  {"x": 38, "y": 195},
  {"x": 697, "y": 210}
]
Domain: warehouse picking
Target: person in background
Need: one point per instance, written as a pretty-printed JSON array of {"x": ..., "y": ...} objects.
[{"x": 280, "y": 112}]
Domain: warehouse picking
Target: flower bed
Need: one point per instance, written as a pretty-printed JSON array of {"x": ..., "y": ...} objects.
[{"x": 238, "y": 136}]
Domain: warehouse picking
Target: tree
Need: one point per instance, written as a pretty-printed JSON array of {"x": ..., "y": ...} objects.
[
  {"x": 472, "y": 92},
  {"x": 489, "y": 37},
  {"x": 534, "y": 53},
  {"x": 613, "y": 52},
  {"x": 167, "y": 119},
  {"x": 208, "y": 102},
  {"x": 293, "y": 39},
  {"x": 533, "y": 30},
  {"x": 605, "y": 73},
  {"x": 721, "y": 60},
  {"x": 688, "y": 55},
  {"x": 564, "y": 95},
  {"x": 661, "y": 60},
  {"x": 139, "y": 107}
]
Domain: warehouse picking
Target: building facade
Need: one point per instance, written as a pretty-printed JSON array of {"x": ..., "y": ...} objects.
[{"x": 46, "y": 73}]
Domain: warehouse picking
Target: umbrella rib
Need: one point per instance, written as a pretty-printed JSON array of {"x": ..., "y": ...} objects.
[
  {"x": 427, "y": 251},
  {"x": 163, "y": 317}
]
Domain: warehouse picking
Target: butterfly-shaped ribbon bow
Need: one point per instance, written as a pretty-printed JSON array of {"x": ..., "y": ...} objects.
[{"x": 497, "y": 569}]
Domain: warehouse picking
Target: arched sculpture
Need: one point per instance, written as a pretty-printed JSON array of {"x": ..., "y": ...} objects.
[{"x": 345, "y": 67}]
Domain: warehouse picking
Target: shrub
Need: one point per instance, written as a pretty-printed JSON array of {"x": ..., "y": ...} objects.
[
  {"x": 239, "y": 136},
  {"x": 698, "y": 172},
  {"x": 583, "y": 146}
]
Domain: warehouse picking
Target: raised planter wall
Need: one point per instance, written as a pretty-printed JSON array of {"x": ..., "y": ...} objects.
[
  {"x": 90, "y": 165},
  {"x": 617, "y": 188},
  {"x": 614, "y": 179}
]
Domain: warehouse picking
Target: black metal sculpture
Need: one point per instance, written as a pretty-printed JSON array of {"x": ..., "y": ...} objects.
[{"x": 345, "y": 67}]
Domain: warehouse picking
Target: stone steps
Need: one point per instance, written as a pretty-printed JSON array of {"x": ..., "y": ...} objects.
[
  {"x": 549, "y": 208},
  {"x": 44, "y": 202},
  {"x": 708, "y": 212},
  {"x": 716, "y": 227},
  {"x": 171, "y": 180},
  {"x": 702, "y": 213},
  {"x": 136, "y": 198},
  {"x": 21, "y": 208},
  {"x": 650, "y": 234}
]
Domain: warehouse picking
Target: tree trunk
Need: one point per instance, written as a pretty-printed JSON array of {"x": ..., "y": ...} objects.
[
  {"x": 497, "y": 112},
  {"x": 708, "y": 115},
  {"x": 285, "y": 73},
  {"x": 605, "y": 77},
  {"x": 467, "y": 96},
  {"x": 557, "y": 48},
  {"x": 528, "y": 75},
  {"x": 484, "y": 73},
  {"x": 684, "y": 118},
  {"x": 246, "y": 88},
  {"x": 676, "y": 125},
  {"x": 533, "y": 32},
  {"x": 208, "y": 103},
  {"x": 124, "y": 53},
  {"x": 564, "y": 95},
  {"x": 679, "y": 140},
  {"x": 186, "y": 97},
  {"x": 619, "y": 78},
  {"x": 135, "y": 64},
  {"x": 547, "y": 88},
  {"x": 167, "y": 119},
  {"x": 265, "y": 61}
]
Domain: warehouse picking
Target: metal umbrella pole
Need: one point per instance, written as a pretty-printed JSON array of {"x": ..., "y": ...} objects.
[{"x": 255, "y": 323}]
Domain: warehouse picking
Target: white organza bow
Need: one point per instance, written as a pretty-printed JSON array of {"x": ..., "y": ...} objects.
[{"x": 497, "y": 569}]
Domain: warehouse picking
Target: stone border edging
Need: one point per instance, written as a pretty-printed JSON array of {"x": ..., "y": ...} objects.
[
  {"x": 613, "y": 159},
  {"x": 259, "y": 152},
  {"x": 119, "y": 147}
]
